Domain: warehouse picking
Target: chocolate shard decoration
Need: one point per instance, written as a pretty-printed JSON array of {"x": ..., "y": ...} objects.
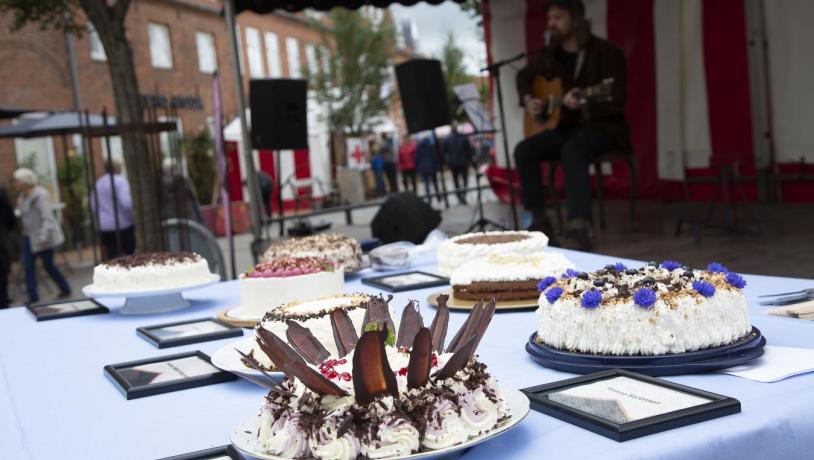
[
  {"x": 379, "y": 313},
  {"x": 418, "y": 370},
  {"x": 304, "y": 342},
  {"x": 458, "y": 360},
  {"x": 411, "y": 322},
  {"x": 484, "y": 319},
  {"x": 372, "y": 375},
  {"x": 344, "y": 333},
  {"x": 276, "y": 349},
  {"x": 271, "y": 384},
  {"x": 462, "y": 333},
  {"x": 312, "y": 379},
  {"x": 440, "y": 324}
]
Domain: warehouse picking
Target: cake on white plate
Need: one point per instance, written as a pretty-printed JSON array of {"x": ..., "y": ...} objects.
[
  {"x": 284, "y": 280},
  {"x": 465, "y": 248},
  {"x": 346, "y": 253},
  {"x": 653, "y": 310},
  {"x": 510, "y": 277},
  {"x": 150, "y": 271},
  {"x": 386, "y": 396}
]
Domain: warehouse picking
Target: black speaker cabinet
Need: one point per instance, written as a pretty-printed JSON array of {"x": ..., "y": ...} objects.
[
  {"x": 404, "y": 217},
  {"x": 423, "y": 94},
  {"x": 279, "y": 114}
]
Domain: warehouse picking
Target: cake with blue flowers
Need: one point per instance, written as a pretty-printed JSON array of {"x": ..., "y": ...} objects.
[{"x": 651, "y": 310}]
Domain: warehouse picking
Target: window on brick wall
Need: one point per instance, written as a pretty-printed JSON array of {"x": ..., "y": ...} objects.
[
  {"x": 292, "y": 51},
  {"x": 97, "y": 50},
  {"x": 207, "y": 55},
  {"x": 273, "y": 55},
  {"x": 325, "y": 57},
  {"x": 160, "y": 46},
  {"x": 311, "y": 58},
  {"x": 239, "y": 40},
  {"x": 254, "y": 51}
]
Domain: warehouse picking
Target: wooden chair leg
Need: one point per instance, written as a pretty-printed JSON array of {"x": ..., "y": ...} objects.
[
  {"x": 600, "y": 194},
  {"x": 555, "y": 202}
]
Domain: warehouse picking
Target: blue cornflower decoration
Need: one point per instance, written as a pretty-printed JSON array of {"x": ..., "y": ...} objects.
[
  {"x": 619, "y": 267},
  {"x": 591, "y": 299},
  {"x": 670, "y": 265},
  {"x": 644, "y": 297},
  {"x": 703, "y": 288},
  {"x": 570, "y": 273},
  {"x": 735, "y": 280},
  {"x": 715, "y": 267},
  {"x": 545, "y": 283},
  {"x": 553, "y": 294}
]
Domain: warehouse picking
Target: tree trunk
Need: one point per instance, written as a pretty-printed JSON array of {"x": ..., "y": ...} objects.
[{"x": 109, "y": 24}]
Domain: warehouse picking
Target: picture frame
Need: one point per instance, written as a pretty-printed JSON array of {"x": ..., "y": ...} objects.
[
  {"x": 66, "y": 309},
  {"x": 623, "y": 405},
  {"x": 164, "y": 374},
  {"x": 227, "y": 452},
  {"x": 406, "y": 281},
  {"x": 187, "y": 332}
]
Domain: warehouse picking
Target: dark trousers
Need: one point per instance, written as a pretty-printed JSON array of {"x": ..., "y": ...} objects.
[
  {"x": 408, "y": 177},
  {"x": 576, "y": 148},
  {"x": 430, "y": 179},
  {"x": 5, "y": 265},
  {"x": 391, "y": 173},
  {"x": 460, "y": 177},
  {"x": 29, "y": 260},
  {"x": 128, "y": 239}
]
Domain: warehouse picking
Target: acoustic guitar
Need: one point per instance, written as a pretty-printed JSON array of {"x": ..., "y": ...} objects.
[{"x": 550, "y": 92}]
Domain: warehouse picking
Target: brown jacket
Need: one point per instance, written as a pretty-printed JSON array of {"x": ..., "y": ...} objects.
[{"x": 602, "y": 60}]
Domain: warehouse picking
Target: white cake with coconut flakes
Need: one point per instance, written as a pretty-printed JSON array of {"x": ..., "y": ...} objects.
[
  {"x": 151, "y": 271},
  {"x": 459, "y": 250},
  {"x": 654, "y": 310}
]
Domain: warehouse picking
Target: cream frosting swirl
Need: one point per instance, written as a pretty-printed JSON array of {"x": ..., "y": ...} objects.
[
  {"x": 326, "y": 444},
  {"x": 396, "y": 437},
  {"x": 283, "y": 437},
  {"x": 479, "y": 414},
  {"x": 445, "y": 427}
]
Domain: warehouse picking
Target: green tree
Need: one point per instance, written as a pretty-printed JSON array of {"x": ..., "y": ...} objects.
[
  {"x": 475, "y": 10},
  {"x": 355, "y": 85},
  {"x": 108, "y": 18},
  {"x": 452, "y": 60},
  {"x": 201, "y": 164}
]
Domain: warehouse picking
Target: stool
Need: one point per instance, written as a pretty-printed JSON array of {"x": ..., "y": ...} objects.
[{"x": 606, "y": 157}]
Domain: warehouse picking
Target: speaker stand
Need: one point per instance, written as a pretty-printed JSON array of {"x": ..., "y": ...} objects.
[
  {"x": 279, "y": 170},
  {"x": 482, "y": 223}
]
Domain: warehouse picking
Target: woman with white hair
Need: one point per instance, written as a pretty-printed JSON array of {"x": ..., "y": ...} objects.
[{"x": 41, "y": 233}]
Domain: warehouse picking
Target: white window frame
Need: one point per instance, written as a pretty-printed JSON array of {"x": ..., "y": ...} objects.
[
  {"x": 292, "y": 52},
  {"x": 207, "y": 52},
  {"x": 97, "y": 49},
  {"x": 160, "y": 45},
  {"x": 254, "y": 52},
  {"x": 275, "y": 66},
  {"x": 326, "y": 59},
  {"x": 311, "y": 58}
]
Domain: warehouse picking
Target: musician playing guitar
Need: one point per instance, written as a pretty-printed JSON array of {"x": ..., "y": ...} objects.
[{"x": 575, "y": 127}]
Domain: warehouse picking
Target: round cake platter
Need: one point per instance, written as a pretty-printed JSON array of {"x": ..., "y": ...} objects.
[
  {"x": 237, "y": 317},
  {"x": 463, "y": 304},
  {"x": 150, "y": 301},
  {"x": 244, "y": 436},
  {"x": 739, "y": 352},
  {"x": 227, "y": 359}
]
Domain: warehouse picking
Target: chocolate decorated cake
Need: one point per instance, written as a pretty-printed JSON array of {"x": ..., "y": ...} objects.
[
  {"x": 344, "y": 252},
  {"x": 151, "y": 271}
]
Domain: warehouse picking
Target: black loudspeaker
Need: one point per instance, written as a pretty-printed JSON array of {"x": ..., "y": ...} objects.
[
  {"x": 279, "y": 114},
  {"x": 423, "y": 94},
  {"x": 404, "y": 217}
]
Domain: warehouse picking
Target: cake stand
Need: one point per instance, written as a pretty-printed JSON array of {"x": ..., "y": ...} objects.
[{"x": 150, "y": 301}]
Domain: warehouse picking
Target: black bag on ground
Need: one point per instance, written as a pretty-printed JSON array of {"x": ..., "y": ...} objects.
[{"x": 404, "y": 217}]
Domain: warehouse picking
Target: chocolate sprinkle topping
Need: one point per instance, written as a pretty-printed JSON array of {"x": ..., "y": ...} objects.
[{"x": 153, "y": 258}]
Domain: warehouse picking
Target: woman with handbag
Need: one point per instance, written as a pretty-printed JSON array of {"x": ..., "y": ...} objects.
[{"x": 41, "y": 233}]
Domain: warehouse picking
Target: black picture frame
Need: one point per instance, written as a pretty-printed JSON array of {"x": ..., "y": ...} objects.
[
  {"x": 134, "y": 390},
  {"x": 148, "y": 333},
  {"x": 718, "y": 406},
  {"x": 228, "y": 451},
  {"x": 40, "y": 311},
  {"x": 381, "y": 281}
]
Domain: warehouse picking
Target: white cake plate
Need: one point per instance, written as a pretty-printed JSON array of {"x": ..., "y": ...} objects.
[
  {"x": 150, "y": 301},
  {"x": 244, "y": 436}
]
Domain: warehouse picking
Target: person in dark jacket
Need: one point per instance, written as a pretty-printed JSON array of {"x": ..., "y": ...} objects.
[
  {"x": 426, "y": 163},
  {"x": 7, "y": 224},
  {"x": 458, "y": 153},
  {"x": 587, "y": 127}
]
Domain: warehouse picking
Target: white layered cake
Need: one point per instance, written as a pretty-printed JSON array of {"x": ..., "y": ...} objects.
[
  {"x": 654, "y": 310},
  {"x": 506, "y": 277},
  {"x": 285, "y": 280},
  {"x": 459, "y": 250},
  {"x": 151, "y": 271},
  {"x": 344, "y": 252}
]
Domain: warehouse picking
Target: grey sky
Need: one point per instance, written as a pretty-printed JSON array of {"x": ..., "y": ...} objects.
[{"x": 434, "y": 22}]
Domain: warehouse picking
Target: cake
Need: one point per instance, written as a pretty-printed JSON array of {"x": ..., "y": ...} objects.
[
  {"x": 151, "y": 271},
  {"x": 388, "y": 396},
  {"x": 343, "y": 251},
  {"x": 506, "y": 277},
  {"x": 653, "y": 310},
  {"x": 314, "y": 314},
  {"x": 461, "y": 249},
  {"x": 285, "y": 280}
]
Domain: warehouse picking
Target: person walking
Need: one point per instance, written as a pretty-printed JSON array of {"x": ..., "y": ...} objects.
[
  {"x": 41, "y": 233},
  {"x": 406, "y": 163},
  {"x": 7, "y": 224},
  {"x": 387, "y": 149},
  {"x": 426, "y": 162},
  {"x": 458, "y": 153},
  {"x": 112, "y": 220}
]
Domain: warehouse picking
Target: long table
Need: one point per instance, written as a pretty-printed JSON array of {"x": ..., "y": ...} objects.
[{"x": 55, "y": 401}]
